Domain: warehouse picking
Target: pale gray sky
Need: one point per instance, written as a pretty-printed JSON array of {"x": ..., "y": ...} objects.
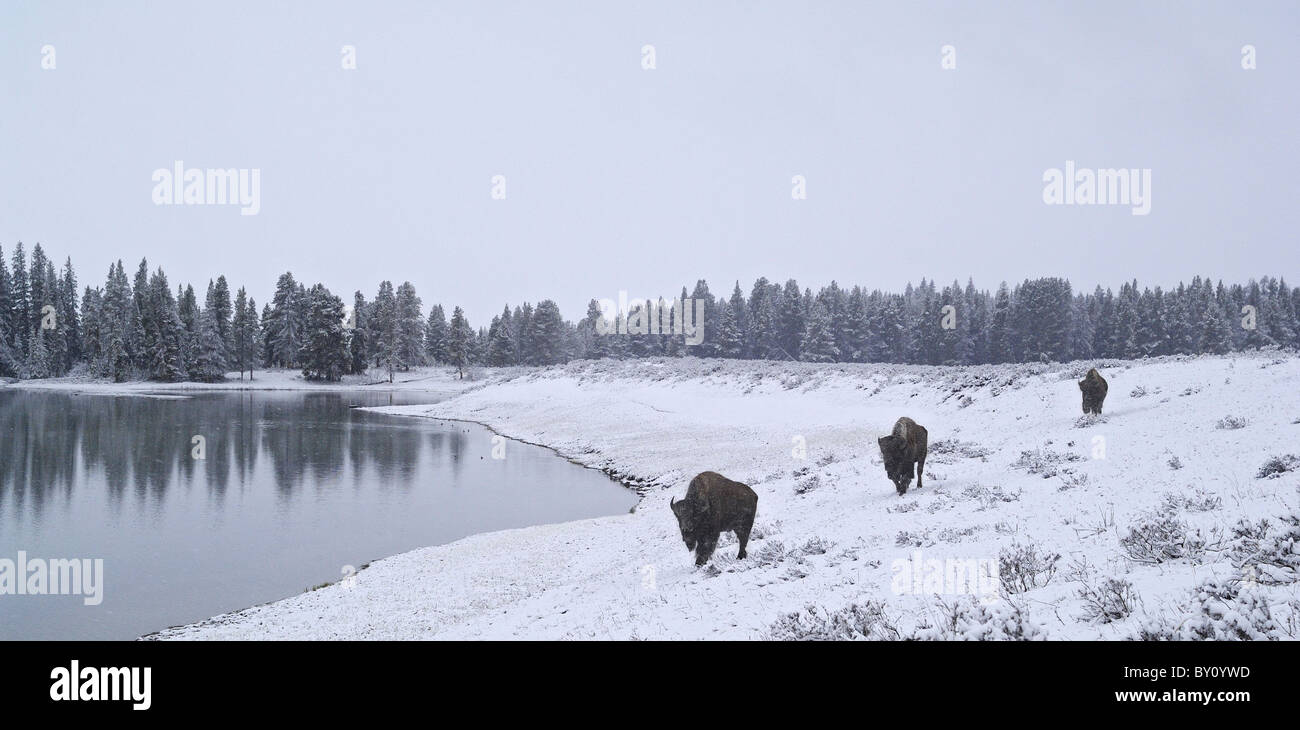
[{"x": 620, "y": 178}]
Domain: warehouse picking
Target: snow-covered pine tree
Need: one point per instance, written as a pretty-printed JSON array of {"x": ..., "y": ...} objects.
[
  {"x": 435, "y": 335},
  {"x": 548, "y": 334},
  {"x": 711, "y": 319},
  {"x": 730, "y": 340},
  {"x": 382, "y": 321},
  {"x": 219, "y": 295},
  {"x": 209, "y": 361},
  {"x": 188, "y": 309},
  {"x": 8, "y": 365},
  {"x": 37, "y": 364},
  {"x": 410, "y": 327},
  {"x": 285, "y": 323},
  {"x": 164, "y": 341},
  {"x": 818, "y": 343},
  {"x": 20, "y": 303},
  {"x": 459, "y": 342},
  {"x": 243, "y": 339},
  {"x": 324, "y": 354},
  {"x": 69, "y": 317},
  {"x": 359, "y": 336},
  {"x": 135, "y": 344}
]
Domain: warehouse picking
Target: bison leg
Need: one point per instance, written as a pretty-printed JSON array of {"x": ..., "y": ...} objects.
[
  {"x": 704, "y": 549},
  {"x": 742, "y": 535},
  {"x": 920, "y": 467}
]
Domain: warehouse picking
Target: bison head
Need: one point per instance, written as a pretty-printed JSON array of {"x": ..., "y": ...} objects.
[
  {"x": 894, "y": 451},
  {"x": 689, "y": 515}
]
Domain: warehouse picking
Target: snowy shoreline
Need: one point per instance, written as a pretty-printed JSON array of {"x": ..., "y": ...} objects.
[{"x": 1012, "y": 464}]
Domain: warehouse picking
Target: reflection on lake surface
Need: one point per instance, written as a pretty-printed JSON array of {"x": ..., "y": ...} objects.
[{"x": 293, "y": 487}]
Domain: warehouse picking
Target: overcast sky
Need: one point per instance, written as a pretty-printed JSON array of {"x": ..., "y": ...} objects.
[{"x": 621, "y": 178}]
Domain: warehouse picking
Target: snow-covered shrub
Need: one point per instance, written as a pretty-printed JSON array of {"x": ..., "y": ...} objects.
[
  {"x": 855, "y": 622},
  {"x": 1216, "y": 611},
  {"x": 1276, "y": 466},
  {"x": 1088, "y": 420},
  {"x": 1044, "y": 462},
  {"x": 903, "y": 507},
  {"x": 764, "y": 530},
  {"x": 1230, "y": 423},
  {"x": 1137, "y": 392},
  {"x": 1022, "y": 567},
  {"x": 1070, "y": 480},
  {"x": 1160, "y": 537},
  {"x": 954, "y": 534},
  {"x": 813, "y": 546},
  {"x": 807, "y": 484},
  {"x": 1175, "y": 463},
  {"x": 955, "y": 448},
  {"x": 771, "y": 553},
  {"x": 1112, "y": 600},
  {"x": 988, "y": 496},
  {"x": 912, "y": 539},
  {"x": 1199, "y": 501},
  {"x": 967, "y": 619},
  {"x": 1265, "y": 559}
]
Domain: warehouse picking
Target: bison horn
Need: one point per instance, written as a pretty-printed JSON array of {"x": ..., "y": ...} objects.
[{"x": 672, "y": 501}]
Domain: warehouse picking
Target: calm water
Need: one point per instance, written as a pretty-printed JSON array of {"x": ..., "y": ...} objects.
[{"x": 294, "y": 486}]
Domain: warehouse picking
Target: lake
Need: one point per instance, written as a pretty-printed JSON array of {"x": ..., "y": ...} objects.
[{"x": 293, "y": 487}]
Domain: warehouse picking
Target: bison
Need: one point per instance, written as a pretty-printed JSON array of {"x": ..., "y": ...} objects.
[
  {"x": 1094, "y": 391},
  {"x": 905, "y": 447},
  {"x": 714, "y": 504}
]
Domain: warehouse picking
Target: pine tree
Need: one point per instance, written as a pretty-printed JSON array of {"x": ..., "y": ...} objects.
[
  {"x": 165, "y": 341},
  {"x": 285, "y": 322},
  {"x": 359, "y": 336},
  {"x": 209, "y": 363},
  {"x": 435, "y": 335},
  {"x": 19, "y": 298},
  {"x": 69, "y": 317},
  {"x": 9, "y": 365},
  {"x": 139, "y": 313},
  {"x": 459, "y": 342},
  {"x": 218, "y": 300},
  {"x": 39, "y": 291},
  {"x": 410, "y": 327},
  {"x": 548, "y": 334},
  {"x": 188, "y": 309},
  {"x": 382, "y": 321},
  {"x": 730, "y": 340},
  {"x": 243, "y": 338},
  {"x": 324, "y": 354},
  {"x": 712, "y": 317},
  {"x": 37, "y": 364},
  {"x": 818, "y": 343},
  {"x": 92, "y": 347}
]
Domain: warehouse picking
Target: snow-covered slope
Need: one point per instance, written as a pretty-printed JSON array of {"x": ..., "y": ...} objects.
[{"x": 1139, "y": 506}]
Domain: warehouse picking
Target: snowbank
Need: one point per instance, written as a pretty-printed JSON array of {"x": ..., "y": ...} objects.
[{"x": 1016, "y": 479}]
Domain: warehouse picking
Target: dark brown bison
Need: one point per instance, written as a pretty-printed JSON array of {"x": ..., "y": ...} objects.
[
  {"x": 905, "y": 447},
  {"x": 1094, "y": 391},
  {"x": 714, "y": 504}
]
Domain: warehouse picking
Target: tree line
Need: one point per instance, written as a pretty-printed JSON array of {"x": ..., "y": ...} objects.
[{"x": 140, "y": 328}]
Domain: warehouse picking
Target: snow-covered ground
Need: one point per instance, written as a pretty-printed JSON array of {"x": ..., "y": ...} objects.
[{"x": 1140, "y": 505}]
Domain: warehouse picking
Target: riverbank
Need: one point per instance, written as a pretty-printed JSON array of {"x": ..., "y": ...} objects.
[
  {"x": 427, "y": 379},
  {"x": 1012, "y": 466}
]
